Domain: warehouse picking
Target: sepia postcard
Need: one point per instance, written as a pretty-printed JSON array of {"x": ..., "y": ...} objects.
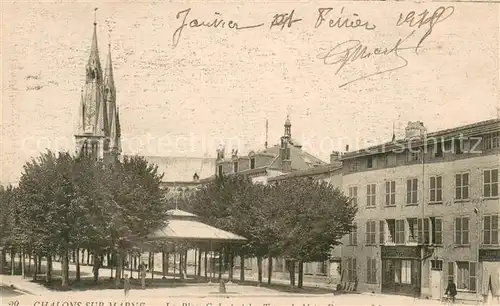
[{"x": 261, "y": 153}]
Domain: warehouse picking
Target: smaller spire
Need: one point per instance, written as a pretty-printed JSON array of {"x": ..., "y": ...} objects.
[
  {"x": 95, "y": 16},
  {"x": 288, "y": 127}
]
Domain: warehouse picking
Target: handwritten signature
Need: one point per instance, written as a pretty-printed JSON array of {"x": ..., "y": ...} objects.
[
  {"x": 340, "y": 22},
  {"x": 351, "y": 51},
  {"x": 218, "y": 22}
]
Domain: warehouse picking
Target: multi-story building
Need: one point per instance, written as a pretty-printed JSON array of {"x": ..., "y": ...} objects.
[
  {"x": 285, "y": 157},
  {"x": 428, "y": 213}
]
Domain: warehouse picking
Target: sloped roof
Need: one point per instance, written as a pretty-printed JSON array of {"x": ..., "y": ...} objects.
[
  {"x": 301, "y": 160},
  {"x": 182, "y": 169},
  {"x": 180, "y": 229}
]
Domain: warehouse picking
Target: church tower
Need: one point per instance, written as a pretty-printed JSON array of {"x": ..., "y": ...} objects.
[{"x": 98, "y": 128}]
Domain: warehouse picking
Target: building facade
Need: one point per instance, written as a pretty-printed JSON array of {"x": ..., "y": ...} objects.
[
  {"x": 428, "y": 213},
  {"x": 285, "y": 157}
]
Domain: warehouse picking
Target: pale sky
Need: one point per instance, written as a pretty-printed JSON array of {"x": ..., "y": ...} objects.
[{"x": 222, "y": 84}]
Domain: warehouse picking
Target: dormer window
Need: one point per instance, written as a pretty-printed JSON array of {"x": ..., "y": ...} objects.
[
  {"x": 235, "y": 167},
  {"x": 252, "y": 163},
  {"x": 369, "y": 162}
]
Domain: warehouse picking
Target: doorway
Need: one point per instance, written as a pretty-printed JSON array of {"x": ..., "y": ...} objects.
[{"x": 436, "y": 281}]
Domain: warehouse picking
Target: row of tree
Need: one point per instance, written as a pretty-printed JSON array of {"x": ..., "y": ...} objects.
[
  {"x": 298, "y": 219},
  {"x": 64, "y": 204}
]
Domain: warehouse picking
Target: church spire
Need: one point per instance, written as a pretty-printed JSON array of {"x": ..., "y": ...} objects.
[{"x": 110, "y": 96}]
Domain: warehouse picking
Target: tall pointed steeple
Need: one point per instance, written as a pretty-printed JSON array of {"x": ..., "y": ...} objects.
[
  {"x": 110, "y": 96},
  {"x": 93, "y": 128}
]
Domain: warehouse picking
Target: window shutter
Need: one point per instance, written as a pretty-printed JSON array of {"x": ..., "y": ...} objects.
[
  {"x": 472, "y": 276},
  {"x": 451, "y": 271}
]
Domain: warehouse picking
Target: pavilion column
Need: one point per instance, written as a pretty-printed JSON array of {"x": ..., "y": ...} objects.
[
  {"x": 167, "y": 262},
  {"x": 211, "y": 262},
  {"x": 206, "y": 264},
  {"x": 199, "y": 262},
  {"x": 163, "y": 264},
  {"x": 175, "y": 257},
  {"x": 195, "y": 260}
]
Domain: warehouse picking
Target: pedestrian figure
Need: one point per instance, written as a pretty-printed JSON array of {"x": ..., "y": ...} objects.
[
  {"x": 143, "y": 275},
  {"x": 451, "y": 290},
  {"x": 126, "y": 285}
]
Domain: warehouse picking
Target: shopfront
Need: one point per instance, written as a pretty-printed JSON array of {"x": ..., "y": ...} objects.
[
  {"x": 401, "y": 270},
  {"x": 490, "y": 278}
]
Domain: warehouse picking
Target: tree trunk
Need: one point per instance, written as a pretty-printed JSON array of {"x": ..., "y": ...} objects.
[
  {"x": 2, "y": 261},
  {"x": 12, "y": 262},
  {"x": 95, "y": 270},
  {"x": 181, "y": 264},
  {"x": 259, "y": 269},
  {"x": 152, "y": 267},
  {"x": 20, "y": 255},
  {"x": 301, "y": 274},
  {"x": 29, "y": 261},
  {"x": 65, "y": 269},
  {"x": 48, "y": 277},
  {"x": 77, "y": 261},
  {"x": 35, "y": 267},
  {"x": 118, "y": 275},
  {"x": 199, "y": 262},
  {"x": 242, "y": 267},
  {"x": 231, "y": 266},
  {"x": 39, "y": 266},
  {"x": 291, "y": 270},
  {"x": 220, "y": 265},
  {"x": 167, "y": 262},
  {"x": 23, "y": 263},
  {"x": 269, "y": 270}
]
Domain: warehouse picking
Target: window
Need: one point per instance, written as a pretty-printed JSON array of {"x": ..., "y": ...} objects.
[
  {"x": 402, "y": 272},
  {"x": 381, "y": 237},
  {"x": 235, "y": 167},
  {"x": 490, "y": 230},
  {"x": 321, "y": 267},
  {"x": 491, "y": 141},
  {"x": 458, "y": 146},
  {"x": 462, "y": 231},
  {"x": 400, "y": 232},
  {"x": 220, "y": 170},
  {"x": 462, "y": 186},
  {"x": 353, "y": 166},
  {"x": 371, "y": 273},
  {"x": 465, "y": 275},
  {"x": 370, "y": 233},
  {"x": 414, "y": 230},
  {"x": 351, "y": 269},
  {"x": 438, "y": 150},
  {"x": 412, "y": 191},
  {"x": 451, "y": 271},
  {"x": 423, "y": 231},
  {"x": 436, "y": 265},
  {"x": 252, "y": 163},
  {"x": 391, "y": 225},
  {"x": 437, "y": 231},
  {"x": 436, "y": 189},
  {"x": 490, "y": 183},
  {"x": 369, "y": 162},
  {"x": 413, "y": 156},
  {"x": 390, "y": 193},
  {"x": 390, "y": 160},
  {"x": 353, "y": 235},
  {"x": 371, "y": 195},
  {"x": 353, "y": 194}
]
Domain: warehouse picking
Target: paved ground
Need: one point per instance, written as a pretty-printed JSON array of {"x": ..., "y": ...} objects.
[{"x": 8, "y": 292}]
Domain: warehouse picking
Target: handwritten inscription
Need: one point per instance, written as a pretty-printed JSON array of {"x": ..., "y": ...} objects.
[
  {"x": 217, "y": 23},
  {"x": 341, "y": 22},
  {"x": 284, "y": 20},
  {"x": 346, "y": 53},
  {"x": 419, "y": 20},
  {"x": 353, "y": 50}
]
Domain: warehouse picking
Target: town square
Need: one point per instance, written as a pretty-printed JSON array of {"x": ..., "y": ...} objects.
[{"x": 250, "y": 157}]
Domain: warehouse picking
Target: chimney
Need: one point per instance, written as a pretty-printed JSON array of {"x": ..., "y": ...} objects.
[
  {"x": 334, "y": 157},
  {"x": 196, "y": 177},
  {"x": 415, "y": 129},
  {"x": 347, "y": 148}
]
